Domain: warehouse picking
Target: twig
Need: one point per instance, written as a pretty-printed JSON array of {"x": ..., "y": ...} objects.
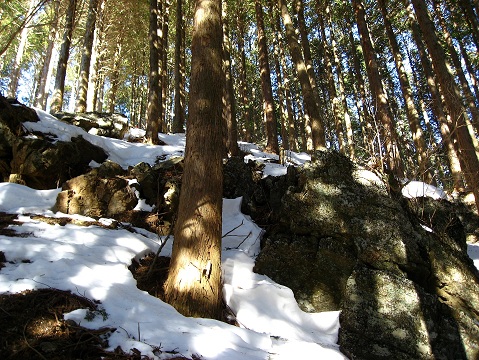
[
  {"x": 233, "y": 229},
  {"x": 170, "y": 232}
]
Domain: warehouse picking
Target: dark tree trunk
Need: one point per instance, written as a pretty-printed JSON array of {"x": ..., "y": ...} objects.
[
  {"x": 265, "y": 74},
  {"x": 153, "y": 111},
  {"x": 179, "y": 117}
]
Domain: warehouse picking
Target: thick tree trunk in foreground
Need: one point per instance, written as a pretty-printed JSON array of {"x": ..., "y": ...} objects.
[
  {"x": 194, "y": 284},
  {"x": 452, "y": 99}
]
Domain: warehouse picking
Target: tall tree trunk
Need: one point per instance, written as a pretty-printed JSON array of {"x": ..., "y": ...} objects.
[
  {"x": 115, "y": 74},
  {"x": 17, "y": 65},
  {"x": 287, "y": 121},
  {"x": 456, "y": 61},
  {"x": 179, "y": 70},
  {"x": 452, "y": 98},
  {"x": 471, "y": 19},
  {"x": 411, "y": 111},
  {"x": 59, "y": 89},
  {"x": 45, "y": 73},
  {"x": 265, "y": 74},
  {"x": 229, "y": 106},
  {"x": 470, "y": 69},
  {"x": 243, "y": 120},
  {"x": 80, "y": 106},
  {"x": 380, "y": 101},
  {"x": 334, "y": 99},
  {"x": 312, "y": 110},
  {"x": 342, "y": 96},
  {"x": 164, "y": 65},
  {"x": 153, "y": 112},
  {"x": 445, "y": 127},
  {"x": 365, "y": 117},
  {"x": 194, "y": 285}
]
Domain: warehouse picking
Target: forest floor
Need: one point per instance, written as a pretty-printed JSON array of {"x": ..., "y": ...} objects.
[{"x": 32, "y": 325}]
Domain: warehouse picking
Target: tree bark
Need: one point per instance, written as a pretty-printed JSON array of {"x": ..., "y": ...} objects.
[
  {"x": 153, "y": 112},
  {"x": 333, "y": 96},
  {"x": 15, "y": 76},
  {"x": 383, "y": 112},
  {"x": 452, "y": 98},
  {"x": 58, "y": 92},
  {"x": 164, "y": 66},
  {"x": 265, "y": 74},
  {"x": 411, "y": 111},
  {"x": 456, "y": 61},
  {"x": 437, "y": 106},
  {"x": 179, "y": 70},
  {"x": 86, "y": 57},
  {"x": 194, "y": 284},
  {"x": 45, "y": 73},
  {"x": 229, "y": 106},
  {"x": 312, "y": 110}
]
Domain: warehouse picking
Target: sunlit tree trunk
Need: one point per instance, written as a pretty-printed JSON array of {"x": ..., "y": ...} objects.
[
  {"x": 265, "y": 74},
  {"x": 115, "y": 74},
  {"x": 80, "y": 106},
  {"x": 287, "y": 123},
  {"x": 437, "y": 106},
  {"x": 456, "y": 61},
  {"x": 342, "y": 96},
  {"x": 334, "y": 99},
  {"x": 452, "y": 98},
  {"x": 243, "y": 119},
  {"x": 194, "y": 285},
  {"x": 411, "y": 111},
  {"x": 153, "y": 112},
  {"x": 59, "y": 89},
  {"x": 381, "y": 106},
  {"x": 229, "y": 106},
  {"x": 179, "y": 70},
  {"x": 365, "y": 117},
  {"x": 41, "y": 93},
  {"x": 470, "y": 69},
  {"x": 15, "y": 75},
  {"x": 310, "y": 106}
]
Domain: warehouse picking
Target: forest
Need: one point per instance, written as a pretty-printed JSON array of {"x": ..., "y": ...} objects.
[{"x": 391, "y": 84}]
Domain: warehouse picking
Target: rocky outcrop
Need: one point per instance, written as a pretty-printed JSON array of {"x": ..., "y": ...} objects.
[
  {"x": 36, "y": 160},
  {"x": 397, "y": 269},
  {"x": 96, "y": 196},
  {"x": 104, "y": 124}
]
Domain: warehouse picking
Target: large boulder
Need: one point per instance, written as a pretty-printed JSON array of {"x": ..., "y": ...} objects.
[
  {"x": 397, "y": 269},
  {"x": 37, "y": 160},
  {"x": 97, "y": 196},
  {"x": 12, "y": 115}
]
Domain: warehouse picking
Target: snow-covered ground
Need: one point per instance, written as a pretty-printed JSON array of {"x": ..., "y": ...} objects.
[{"x": 93, "y": 261}]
